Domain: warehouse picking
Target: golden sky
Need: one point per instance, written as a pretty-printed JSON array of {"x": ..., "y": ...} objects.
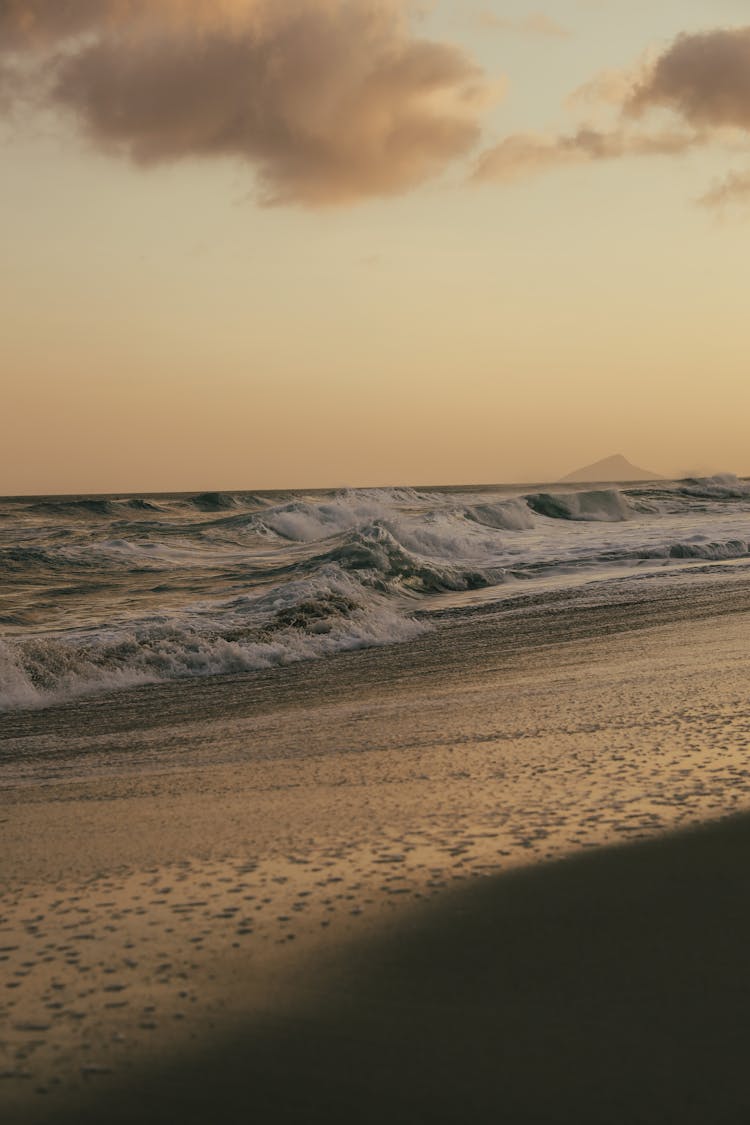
[{"x": 346, "y": 242}]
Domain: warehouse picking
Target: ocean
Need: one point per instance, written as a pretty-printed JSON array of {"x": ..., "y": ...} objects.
[{"x": 106, "y": 593}]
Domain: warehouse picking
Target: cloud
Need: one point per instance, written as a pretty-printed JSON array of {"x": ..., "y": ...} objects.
[
  {"x": 537, "y": 23},
  {"x": 34, "y": 24},
  {"x": 524, "y": 154},
  {"x": 732, "y": 190},
  {"x": 703, "y": 78},
  {"x": 701, "y": 82},
  {"x": 611, "y": 88},
  {"x": 330, "y": 101}
]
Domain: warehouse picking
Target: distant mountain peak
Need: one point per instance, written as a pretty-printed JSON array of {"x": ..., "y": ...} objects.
[{"x": 610, "y": 469}]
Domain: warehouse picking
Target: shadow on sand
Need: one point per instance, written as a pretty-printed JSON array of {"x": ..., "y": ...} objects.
[{"x": 612, "y": 987}]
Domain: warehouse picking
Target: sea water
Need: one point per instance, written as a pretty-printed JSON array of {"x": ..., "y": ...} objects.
[{"x": 105, "y": 593}]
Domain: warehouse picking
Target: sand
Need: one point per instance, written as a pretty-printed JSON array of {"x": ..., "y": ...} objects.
[{"x": 414, "y": 886}]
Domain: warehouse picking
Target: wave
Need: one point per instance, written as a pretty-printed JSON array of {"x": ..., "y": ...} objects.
[
  {"x": 698, "y": 548},
  {"x": 600, "y": 506},
  {"x": 730, "y": 549},
  {"x": 140, "y": 504},
  {"x": 384, "y": 562},
  {"x": 356, "y": 594},
  {"x": 723, "y": 486},
  {"x": 20, "y": 560},
  {"x": 304, "y": 621},
  {"x": 228, "y": 501},
  {"x": 102, "y": 555},
  {"x": 214, "y": 501},
  {"x": 303, "y": 575},
  {"x": 506, "y": 515},
  {"x": 304, "y": 521},
  {"x": 94, "y": 506},
  {"x": 83, "y": 506}
]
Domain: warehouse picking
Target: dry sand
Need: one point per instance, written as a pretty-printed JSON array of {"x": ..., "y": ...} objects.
[{"x": 403, "y": 903}]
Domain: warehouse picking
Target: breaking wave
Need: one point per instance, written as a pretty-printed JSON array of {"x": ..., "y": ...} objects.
[
  {"x": 507, "y": 515},
  {"x": 303, "y": 521},
  {"x": 723, "y": 486},
  {"x": 605, "y": 506},
  {"x": 731, "y": 549},
  {"x": 306, "y": 621},
  {"x": 385, "y": 563}
]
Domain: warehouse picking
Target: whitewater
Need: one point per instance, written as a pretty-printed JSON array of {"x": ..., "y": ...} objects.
[{"x": 100, "y": 593}]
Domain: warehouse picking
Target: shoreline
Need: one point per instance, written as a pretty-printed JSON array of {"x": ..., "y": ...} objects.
[
  {"x": 467, "y": 640},
  {"x": 206, "y": 874}
]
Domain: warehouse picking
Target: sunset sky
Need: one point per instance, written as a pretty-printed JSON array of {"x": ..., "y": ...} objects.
[{"x": 253, "y": 244}]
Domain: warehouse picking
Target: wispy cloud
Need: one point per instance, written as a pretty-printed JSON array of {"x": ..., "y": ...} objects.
[
  {"x": 733, "y": 190},
  {"x": 701, "y": 82},
  {"x": 522, "y": 154},
  {"x": 330, "y": 101},
  {"x": 537, "y": 23}
]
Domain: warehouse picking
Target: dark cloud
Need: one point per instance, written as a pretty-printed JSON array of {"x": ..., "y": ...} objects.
[
  {"x": 34, "y": 24},
  {"x": 704, "y": 78},
  {"x": 330, "y": 100},
  {"x": 25, "y": 23}
]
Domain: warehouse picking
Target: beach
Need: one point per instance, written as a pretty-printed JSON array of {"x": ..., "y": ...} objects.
[
  {"x": 455, "y": 871},
  {"x": 374, "y": 563}
]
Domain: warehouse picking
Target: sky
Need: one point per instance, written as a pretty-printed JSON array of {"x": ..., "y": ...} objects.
[{"x": 370, "y": 242}]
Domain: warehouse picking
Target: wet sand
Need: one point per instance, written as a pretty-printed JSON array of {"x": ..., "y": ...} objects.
[
  {"x": 608, "y": 988},
  {"x": 397, "y": 898}
]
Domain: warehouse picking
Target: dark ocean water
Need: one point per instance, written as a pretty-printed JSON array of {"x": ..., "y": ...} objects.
[{"x": 110, "y": 593}]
